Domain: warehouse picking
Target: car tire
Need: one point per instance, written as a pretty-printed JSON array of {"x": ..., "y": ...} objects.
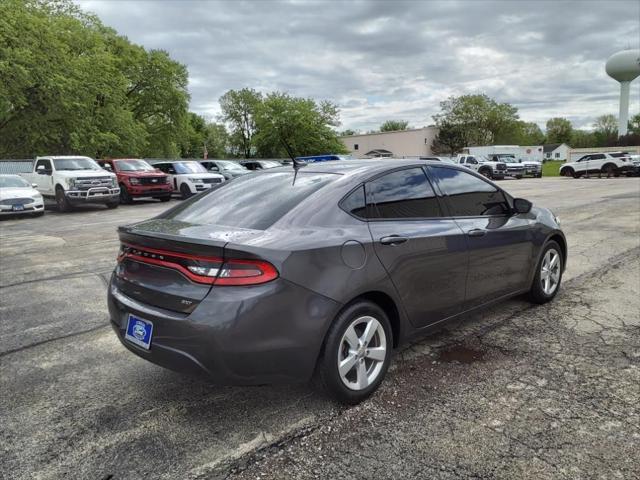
[
  {"x": 567, "y": 172},
  {"x": 166, "y": 198},
  {"x": 38, "y": 214},
  {"x": 518, "y": 177},
  {"x": 539, "y": 175},
  {"x": 112, "y": 205},
  {"x": 541, "y": 291},
  {"x": 365, "y": 363},
  {"x": 486, "y": 172},
  {"x": 185, "y": 191},
  {"x": 610, "y": 169},
  {"x": 125, "y": 198},
  {"x": 61, "y": 200}
]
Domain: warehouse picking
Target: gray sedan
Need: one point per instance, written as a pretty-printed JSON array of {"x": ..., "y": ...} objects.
[{"x": 325, "y": 269}]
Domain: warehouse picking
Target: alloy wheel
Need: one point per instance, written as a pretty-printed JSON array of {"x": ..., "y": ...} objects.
[
  {"x": 362, "y": 352},
  {"x": 550, "y": 271}
]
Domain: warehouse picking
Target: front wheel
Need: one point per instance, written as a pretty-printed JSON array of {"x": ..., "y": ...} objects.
[
  {"x": 548, "y": 274},
  {"x": 112, "y": 205},
  {"x": 125, "y": 198},
  {"x": 518, "y": 177},
  {"x": 166, "y": 198},
  {"x": 356, "y": 353},
  {"x": 61, "y": 200},
  {"x": 486, "y": 172},
  {"x": 185, "y": 191}
]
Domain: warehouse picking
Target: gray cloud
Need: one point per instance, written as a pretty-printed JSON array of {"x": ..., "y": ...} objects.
[{"x": 393, "y": 59}]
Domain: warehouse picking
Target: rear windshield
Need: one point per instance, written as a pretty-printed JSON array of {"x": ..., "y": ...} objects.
[{"x": 254, "y": 201}]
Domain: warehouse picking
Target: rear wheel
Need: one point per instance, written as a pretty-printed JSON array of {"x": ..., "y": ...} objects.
[
  {"x": 61, "y": 200},
  {"x": 185, "y": 191},
  {"x": 548, "y": 274},
  {"x": 356, "y": 353}
]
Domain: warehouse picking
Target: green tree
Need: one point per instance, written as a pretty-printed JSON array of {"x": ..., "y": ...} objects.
[
  {"x": 393, "y": 125},
  {"x": 634, "y": 124},
  {"x": 582, "y": 139},
  {"x": 449, "y": 140},
  {"x": 480, "y": 118},
  {"x": 238, "y": 111},
  {"x": 68, "y": 85},
  {"x": 606, "y": 130},
  {"x": 301, "y": 123},
  {"x": 559, "y": 130}
]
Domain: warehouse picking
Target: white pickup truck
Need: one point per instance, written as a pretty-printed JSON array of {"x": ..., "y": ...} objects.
[
  {"x": 492, "y": 170},
  {"x": 73, "y": 180}
]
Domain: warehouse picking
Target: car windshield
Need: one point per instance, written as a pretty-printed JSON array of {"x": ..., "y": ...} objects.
[
  {"x": 242, "y": 204},
  {"x": 189, "y": 167},
  {"x": 13, "y": 182},
  {"x": 225, "y": 165},
  {"x": 79, "y": 163},
  {"x": 133, "y": 166}
]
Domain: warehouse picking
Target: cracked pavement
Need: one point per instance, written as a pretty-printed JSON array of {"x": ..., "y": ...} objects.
[{"x": 515, "y": 391}]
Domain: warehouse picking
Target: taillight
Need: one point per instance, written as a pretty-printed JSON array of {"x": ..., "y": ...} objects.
[{"x": 201, "y": 269}]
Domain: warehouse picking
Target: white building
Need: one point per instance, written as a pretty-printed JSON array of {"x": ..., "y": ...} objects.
[
  {"x": 415, "y": 142},
  {"x": 556, "y": 151}
]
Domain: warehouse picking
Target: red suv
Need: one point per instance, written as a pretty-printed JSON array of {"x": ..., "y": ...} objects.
[{"x": 138, "y": 179}]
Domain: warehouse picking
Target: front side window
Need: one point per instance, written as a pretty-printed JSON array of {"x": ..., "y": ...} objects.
[
  {"x": 402, "y": 194},
  {"x": 599, "y": 156},
  {"x": 44, "y": 163},
  {"x": 468, "y": 195}
]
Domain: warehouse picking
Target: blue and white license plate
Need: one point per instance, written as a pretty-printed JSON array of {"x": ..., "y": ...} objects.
[
  {"x": 18, "y": 208},
  {"x": 139, "y": 331}
]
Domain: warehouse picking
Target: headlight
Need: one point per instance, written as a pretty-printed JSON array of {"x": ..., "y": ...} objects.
[
  {"x": 195, "y": 180},
  {"x": 71, "y": 182},
  {"x": 134, "y": 181}
]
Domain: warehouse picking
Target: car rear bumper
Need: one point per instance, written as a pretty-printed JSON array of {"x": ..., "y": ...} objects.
[{"x": 270, "y": 333}]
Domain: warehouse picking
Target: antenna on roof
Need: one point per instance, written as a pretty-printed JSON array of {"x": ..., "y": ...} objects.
[{"x": 296, "y": 162}]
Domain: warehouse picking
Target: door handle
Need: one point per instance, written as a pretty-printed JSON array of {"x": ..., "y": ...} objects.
[
  {"x": 476, "y": 232},
  {"x": 393, "y": 240}
]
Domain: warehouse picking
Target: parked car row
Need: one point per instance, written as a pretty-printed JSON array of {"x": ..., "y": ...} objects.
[{"x": 74, "y": 180}]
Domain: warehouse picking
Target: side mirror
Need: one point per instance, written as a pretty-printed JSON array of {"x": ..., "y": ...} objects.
[
  {"x": 42, "y": 170},
  {"x": 34, "y": 185},
  {"x": 107, "y": 167},
  {"x": 520, "y": 205}
]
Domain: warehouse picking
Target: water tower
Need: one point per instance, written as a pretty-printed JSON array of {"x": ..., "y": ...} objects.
[{"x": 624, "y": 67}]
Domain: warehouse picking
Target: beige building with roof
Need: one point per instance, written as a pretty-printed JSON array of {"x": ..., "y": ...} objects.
[{"x": 415, "y": 142}]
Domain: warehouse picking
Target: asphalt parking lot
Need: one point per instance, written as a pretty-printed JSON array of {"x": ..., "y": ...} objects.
[{"x": 516, "y": 391}]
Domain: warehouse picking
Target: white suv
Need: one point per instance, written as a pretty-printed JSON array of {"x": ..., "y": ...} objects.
[
  {"x": 188, "y": 177},
  {"x": 612, "y": 164}
]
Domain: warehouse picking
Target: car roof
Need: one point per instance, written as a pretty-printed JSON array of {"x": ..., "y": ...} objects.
[{"x": 355, "y": 167}]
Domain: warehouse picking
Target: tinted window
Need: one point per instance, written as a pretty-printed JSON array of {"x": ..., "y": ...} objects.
[
  {"x": 354, "y": 203},
  {"x": 468, "y": 195},
  {"x": 402, "y": 194},
  {"x": 251, "y": 201},
  {"x": 598, "y": 156}
]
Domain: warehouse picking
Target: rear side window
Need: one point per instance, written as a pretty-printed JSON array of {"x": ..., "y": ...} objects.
[
  {"x": 468, "y": 195},
  {"x": 402, "y": 194},
  {"x": 355, "y": 203},
  {"x": 253, "y": 201}
]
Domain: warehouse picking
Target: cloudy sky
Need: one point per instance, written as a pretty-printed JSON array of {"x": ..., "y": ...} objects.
[{"x": 383, "y": 60}]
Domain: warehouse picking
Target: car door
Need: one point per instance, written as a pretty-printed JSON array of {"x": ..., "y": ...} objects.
[
  {"x": 423, "y": 252},
  {"x": 597, "y": 162},
  {"x": 500, "y": 243},
  {"x": 44, "y": 180}
]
